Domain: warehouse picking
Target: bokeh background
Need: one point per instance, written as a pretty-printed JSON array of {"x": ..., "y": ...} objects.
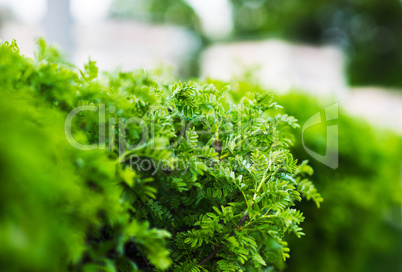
[
  {"x": 311, "y": 54},
  {"x": 344, "y": 49}
]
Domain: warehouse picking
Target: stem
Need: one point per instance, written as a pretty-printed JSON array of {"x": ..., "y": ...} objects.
[
  {"x": 228, "y": 154},
  {"x": 210, "y": 256}
]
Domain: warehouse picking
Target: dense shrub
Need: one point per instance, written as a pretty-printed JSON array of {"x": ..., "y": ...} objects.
[
  {"x": 358, "y": 227},
  {"x": 180, "y": 178}
]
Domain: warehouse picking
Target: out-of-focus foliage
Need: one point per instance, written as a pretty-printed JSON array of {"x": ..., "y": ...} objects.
[
  {"x": 359, "y": 226},
  {"x": 212, "y": 188},
  {"x": 61, "y": 208},
  {"x": 369, "y": 31}
]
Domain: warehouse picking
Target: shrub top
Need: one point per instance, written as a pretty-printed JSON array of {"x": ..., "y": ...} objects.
[{"x": 145, "y": 175}]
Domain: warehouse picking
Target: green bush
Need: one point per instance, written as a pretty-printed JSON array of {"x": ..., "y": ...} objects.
[
  {"x": 358, "y": 228},
  {"x": 167, "y": 177}
]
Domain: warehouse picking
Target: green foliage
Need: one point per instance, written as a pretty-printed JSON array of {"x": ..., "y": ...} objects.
[{"x": 181, "y": 178}]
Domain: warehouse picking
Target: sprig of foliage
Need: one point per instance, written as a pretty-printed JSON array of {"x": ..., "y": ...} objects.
[{"x": 362, "y": 196}]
